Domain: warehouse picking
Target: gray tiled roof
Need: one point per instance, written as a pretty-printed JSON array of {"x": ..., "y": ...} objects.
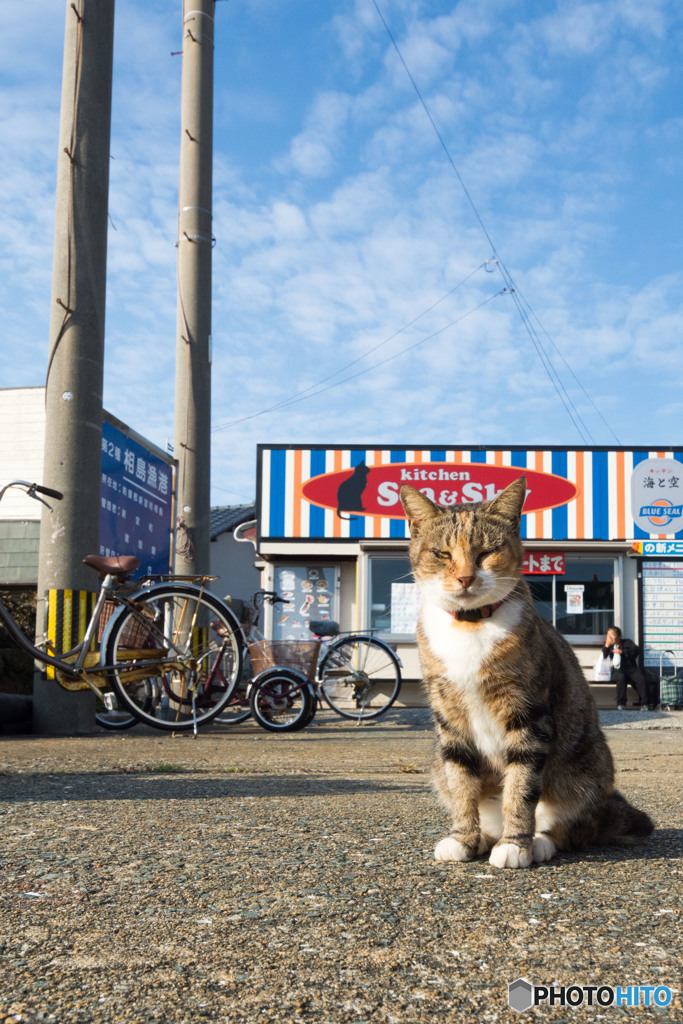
[{"x": 225, "y": 518}]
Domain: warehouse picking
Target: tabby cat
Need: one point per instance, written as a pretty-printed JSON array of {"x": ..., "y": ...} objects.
[{"x": 521, "y": 762}]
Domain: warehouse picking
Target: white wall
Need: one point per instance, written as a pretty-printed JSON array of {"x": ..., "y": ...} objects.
[
  {"x": 22, "y": 442},
  {"x": 233, "y": 562}
]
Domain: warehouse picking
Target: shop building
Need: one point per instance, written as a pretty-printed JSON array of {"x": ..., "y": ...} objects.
[{"x": 602, "y": 529}]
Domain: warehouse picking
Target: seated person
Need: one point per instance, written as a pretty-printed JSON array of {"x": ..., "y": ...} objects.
[{"x": 624, "y": 655}]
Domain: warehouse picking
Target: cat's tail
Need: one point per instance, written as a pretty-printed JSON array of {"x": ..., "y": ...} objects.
[
  {"x": 620, "y": 823},
  {"x": 613, "y": 822}
]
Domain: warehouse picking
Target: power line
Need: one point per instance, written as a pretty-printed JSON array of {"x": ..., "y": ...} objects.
[
  {"x": 578, "y": 382},
  {"x": 302, "y": 396},
  {"x": 522, "y": 306},
  {"x": 520, "y": 302},
  {"x": 305, "y": 392}
]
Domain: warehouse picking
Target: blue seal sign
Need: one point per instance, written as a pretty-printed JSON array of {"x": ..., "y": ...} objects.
[{"x": 657, "y": 496}]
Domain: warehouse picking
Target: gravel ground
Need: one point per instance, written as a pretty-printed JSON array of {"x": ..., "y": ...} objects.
[{"x": 243, "y": 877}]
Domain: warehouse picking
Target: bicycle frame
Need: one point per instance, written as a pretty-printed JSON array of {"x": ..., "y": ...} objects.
[
  {"x": 327, "y": 649},
  {"x": 73, "y": 669},
  {"x": 77, "y": 669},
  {"x": 85, "y": 666}
]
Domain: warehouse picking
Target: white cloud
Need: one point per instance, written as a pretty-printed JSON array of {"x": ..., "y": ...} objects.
[
  {"x": 338, "y": 218},
  {"x": 312, "y": 152}
]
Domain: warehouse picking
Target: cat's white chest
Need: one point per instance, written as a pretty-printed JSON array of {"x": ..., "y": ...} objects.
[{"x": 463, "y": 652}]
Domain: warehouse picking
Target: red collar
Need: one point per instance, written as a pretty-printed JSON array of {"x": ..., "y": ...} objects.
[{"x": 475, "y": 614}]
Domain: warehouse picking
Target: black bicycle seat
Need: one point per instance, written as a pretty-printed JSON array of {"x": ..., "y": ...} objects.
[{"x": 323, "y": 627}]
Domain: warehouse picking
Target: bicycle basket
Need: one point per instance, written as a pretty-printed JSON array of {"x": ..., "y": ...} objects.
[
  {"x": 299, "y": 654},
  {"x": 136, "y": 631}
]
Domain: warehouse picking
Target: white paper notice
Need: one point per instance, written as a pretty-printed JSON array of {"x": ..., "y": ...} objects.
[
  {"x": 403, "y": 607},
  {"x": 574, "y": 595}
]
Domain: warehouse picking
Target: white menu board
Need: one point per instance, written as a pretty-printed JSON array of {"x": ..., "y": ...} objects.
[{"x": 662, "y": 613}]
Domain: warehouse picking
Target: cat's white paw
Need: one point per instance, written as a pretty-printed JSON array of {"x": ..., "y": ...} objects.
[
  {"x": 542, "y": 849},
  {"x": 450, "y": 849},
  {"x": 509, "y": 855}
]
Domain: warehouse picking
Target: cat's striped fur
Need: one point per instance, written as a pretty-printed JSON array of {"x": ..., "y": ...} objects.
[{"x": 521, "y": 762}]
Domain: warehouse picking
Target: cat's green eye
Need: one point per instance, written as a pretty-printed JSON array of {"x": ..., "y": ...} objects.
[{"x": 443, "y": 555}]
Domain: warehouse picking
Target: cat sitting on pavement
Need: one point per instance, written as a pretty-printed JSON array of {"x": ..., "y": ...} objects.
[{"x": 521, "y": 762}]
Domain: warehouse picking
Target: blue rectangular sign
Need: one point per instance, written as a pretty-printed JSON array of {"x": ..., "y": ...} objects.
[
  {"x": 659, "y": 547},
  {"x": 136, "y": 509}
]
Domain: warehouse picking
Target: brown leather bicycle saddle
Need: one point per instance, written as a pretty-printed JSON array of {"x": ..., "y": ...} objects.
[{"x": 117, "y": 565}]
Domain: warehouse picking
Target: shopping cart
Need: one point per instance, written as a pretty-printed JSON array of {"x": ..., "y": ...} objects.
[{"x": 670, "y": 686}]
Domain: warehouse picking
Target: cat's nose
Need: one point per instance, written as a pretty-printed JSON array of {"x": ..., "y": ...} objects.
[{"x": 466, "y": 581}]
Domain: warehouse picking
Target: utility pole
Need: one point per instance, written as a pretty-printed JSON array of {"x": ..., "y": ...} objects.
[
  {"x": 73, "y": 393},
  {"x": 193, "y": 340}
]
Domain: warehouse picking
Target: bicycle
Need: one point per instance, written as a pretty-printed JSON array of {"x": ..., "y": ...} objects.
[
  {"x": 170, "y": 651},
  {"x": 357, "y": 674},
  {"x": 277, "y": 684}
]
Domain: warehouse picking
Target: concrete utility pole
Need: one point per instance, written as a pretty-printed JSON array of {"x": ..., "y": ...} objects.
[
  {"x": 73, "y": 441},
  {"x": 195, "y": 240}
]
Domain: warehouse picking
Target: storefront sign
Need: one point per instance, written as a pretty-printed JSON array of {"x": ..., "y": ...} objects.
[
  {"x": 375, "y": 491},
  {"x": 657, "y": 547},
  {"x": 136, "y": 503},
  {"x": 543, "y": 563},
  {"x": 657, "y": 495},
  {"x": 338, "y": 493}
]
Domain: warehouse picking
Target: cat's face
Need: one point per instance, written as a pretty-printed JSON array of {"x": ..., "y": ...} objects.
[{"x": 468, "y": 555}]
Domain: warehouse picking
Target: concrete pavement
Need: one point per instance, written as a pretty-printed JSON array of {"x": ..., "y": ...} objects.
[{"x": 243, "y": 876}]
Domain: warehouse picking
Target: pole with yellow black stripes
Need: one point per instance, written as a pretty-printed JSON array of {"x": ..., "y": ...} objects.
[{"x": 73, "y": 391}]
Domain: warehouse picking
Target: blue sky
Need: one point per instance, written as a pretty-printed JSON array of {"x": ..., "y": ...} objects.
[{"x": 344, "y": 233}]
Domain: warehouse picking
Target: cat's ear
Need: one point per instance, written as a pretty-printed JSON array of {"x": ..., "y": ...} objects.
[
  {"x": 417, "y": 507},
  {"x": 510, "y": 502}
]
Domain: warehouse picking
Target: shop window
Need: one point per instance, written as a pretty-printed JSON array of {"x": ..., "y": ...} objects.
[
  {"x": 543, "y": 593},
  {"x": 589, "y": 618},
  {"x": 586, "y": 622},
  {"x": 390, "y": 608}
]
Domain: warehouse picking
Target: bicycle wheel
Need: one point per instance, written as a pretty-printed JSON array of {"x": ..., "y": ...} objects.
[
  {"x": 360, "y": 677},
  {"x": 176, "y": 656},
  {"x": 237, "y": 709},
  {"x": 280, "y": 700},
  {"x": 115, "y": 720}
]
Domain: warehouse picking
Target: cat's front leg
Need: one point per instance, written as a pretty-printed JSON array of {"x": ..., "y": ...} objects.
[
  {"x": 521, "y": 792},
  {"x": 458, "y": 783}
]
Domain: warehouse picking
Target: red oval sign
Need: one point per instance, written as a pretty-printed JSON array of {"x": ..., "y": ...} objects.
[{"x": 374, "y": 490}]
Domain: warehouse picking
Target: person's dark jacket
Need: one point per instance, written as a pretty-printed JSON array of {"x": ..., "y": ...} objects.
[{"x": 629, "y": 652}]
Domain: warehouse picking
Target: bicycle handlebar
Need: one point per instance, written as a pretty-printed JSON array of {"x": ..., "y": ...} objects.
[
  {"x": 32, "y": 490},
  {"x": 271, "y": 596},
  {"x": 48, "y": 491}
]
